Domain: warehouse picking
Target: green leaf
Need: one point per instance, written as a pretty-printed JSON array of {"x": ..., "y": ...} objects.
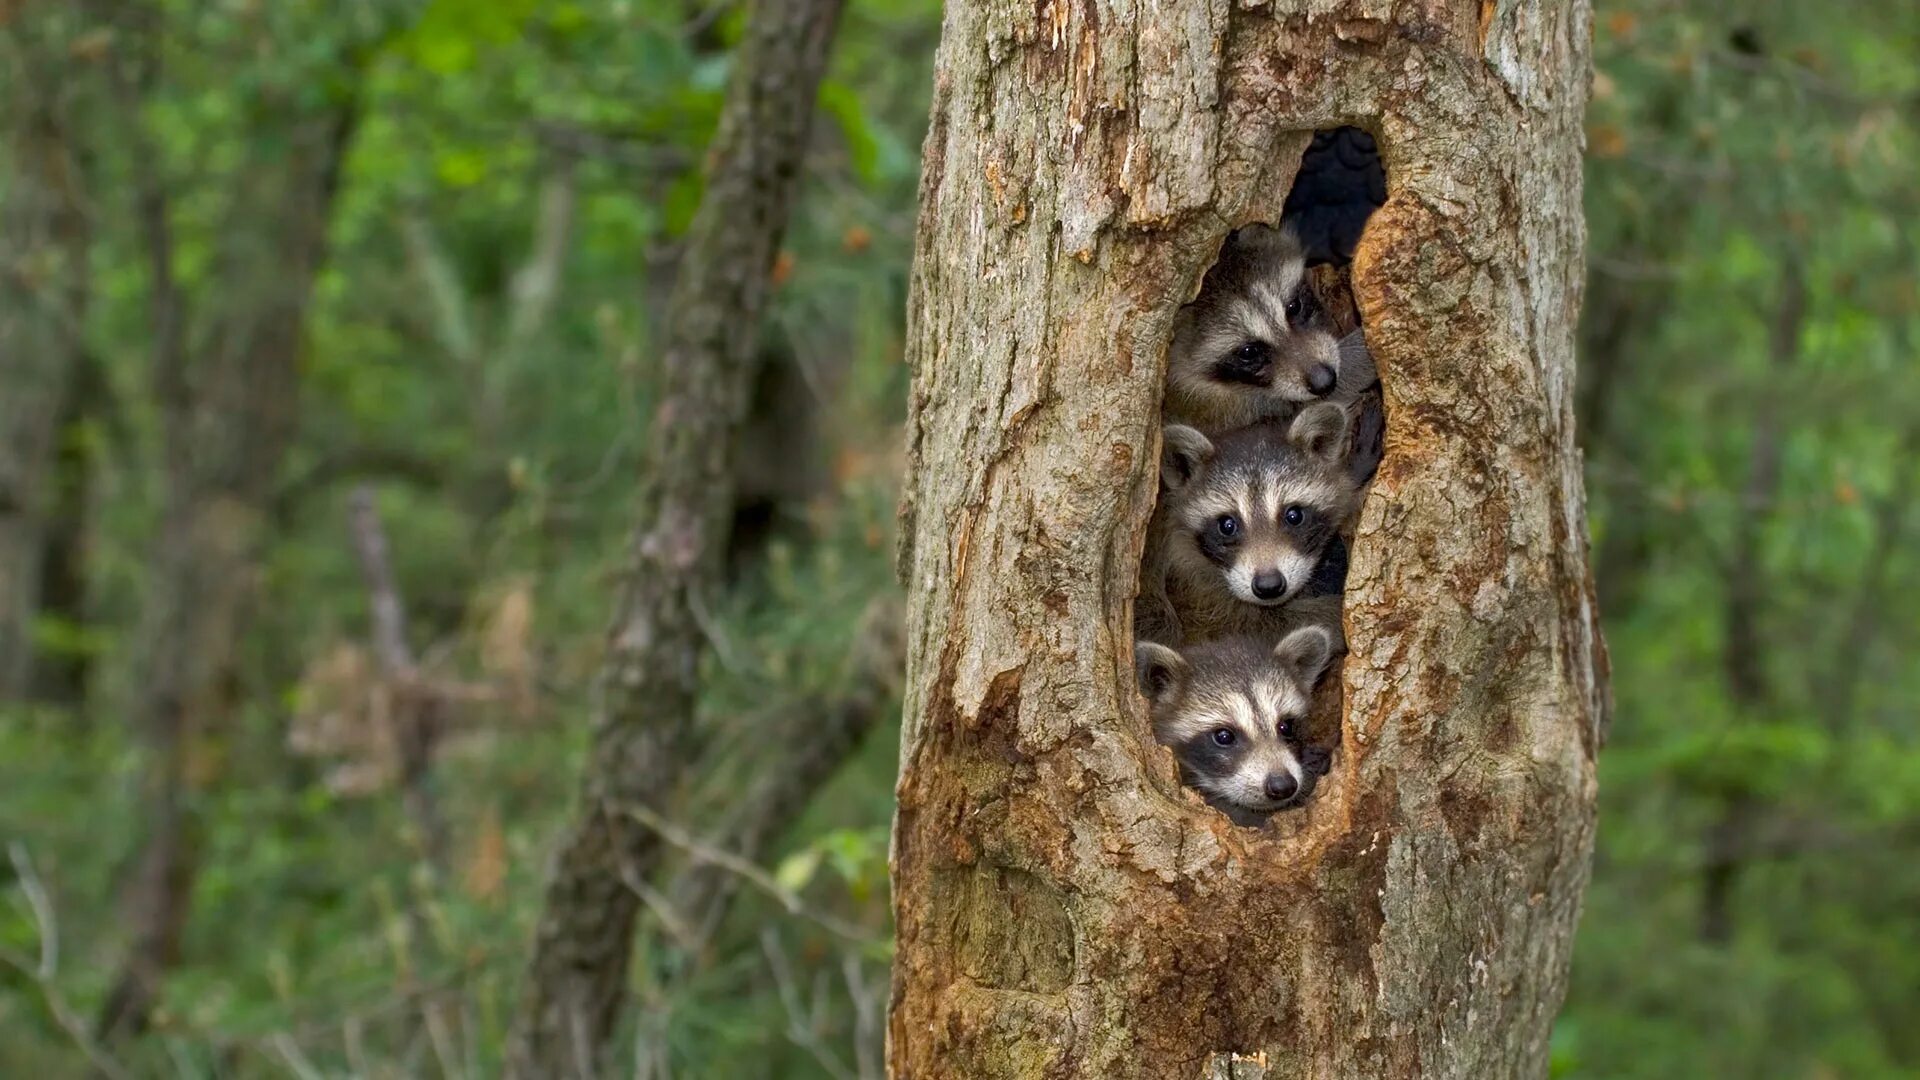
[
  {"x": 797, "y": 869},
  {"x": 840, "y": 101}
]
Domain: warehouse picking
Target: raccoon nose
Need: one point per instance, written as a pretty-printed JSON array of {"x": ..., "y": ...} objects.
[
  {"x": 1281, "y": 786},
  {"x": 1320, "y": 380},
  {"x": 1269, "y": 585}
]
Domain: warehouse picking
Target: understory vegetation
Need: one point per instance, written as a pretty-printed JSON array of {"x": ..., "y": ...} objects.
[{"x": 477, "y": 355}]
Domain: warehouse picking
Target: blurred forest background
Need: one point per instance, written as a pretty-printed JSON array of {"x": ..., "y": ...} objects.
[{"x": 307, "y": 308}]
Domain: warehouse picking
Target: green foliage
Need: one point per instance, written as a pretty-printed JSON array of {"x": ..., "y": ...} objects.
[
  {"x": 503, "y": 443},
  {"x": 1733, "y": 149}
]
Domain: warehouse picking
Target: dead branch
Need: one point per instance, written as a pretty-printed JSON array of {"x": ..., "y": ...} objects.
[
  {"x": 803, "y": 744},
  {"x": 417, "y": 705},
  {"x": 706, "y": 854},
  {"x": 43, "y": 972}
]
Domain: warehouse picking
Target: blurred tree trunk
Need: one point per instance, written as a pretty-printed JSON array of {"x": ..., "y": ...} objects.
[
  {"x": 62, "y": 674},
  {"x": 1626, "y": 302},
  {"x": 44, "y": 233},
  {"x": 1064, "y": 909},
  {"x": 1863, "y": 623},
  {"x": 1745, "y": 650},
  {"x": 577, "y": 978},
  {"x": 227, "y": 400}
]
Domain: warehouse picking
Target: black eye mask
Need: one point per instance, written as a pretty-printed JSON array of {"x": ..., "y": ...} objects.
[
  {"x": 1217, "y": 547},
  {"x": 1255, "y": 369},
  {"x": 1303, "y": 310},
  {"x": 1200, "y": 755}
]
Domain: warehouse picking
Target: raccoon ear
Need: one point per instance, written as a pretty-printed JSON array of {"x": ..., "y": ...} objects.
[
  {"x": 1356, "y": 361},
  {"x": 1183, "y": 453},
  {"x": 1246, "y": 236},
  {"x": 1305, "y": 653},
  {"x": 1321, "y": 430},
  {"x": 1160, "y": 672},
  {"x": 1259, "y": 238}
]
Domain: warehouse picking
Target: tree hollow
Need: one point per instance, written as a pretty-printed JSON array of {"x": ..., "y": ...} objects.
[{"x": 1064, "y": 908}]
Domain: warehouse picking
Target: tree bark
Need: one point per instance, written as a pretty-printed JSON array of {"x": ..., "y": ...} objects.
[
  {"x": 44, "y": 234},
  {"x": 644, "y": 718},
  {"x": 1064, "y": 909},
  {"x": 228, "y": 416}
]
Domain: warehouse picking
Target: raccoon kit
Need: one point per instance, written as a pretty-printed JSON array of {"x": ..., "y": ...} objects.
[
  {"x": 1256, "y": 343},
  {"x": 1243, "y": 524},
  {"x": 1233, "y": 710},
  {"x": 1274, "y": 426}
]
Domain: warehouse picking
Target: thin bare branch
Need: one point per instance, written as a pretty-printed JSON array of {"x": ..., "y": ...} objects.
[
  {"x": 42, "y": 974},
  {"x": 805, "y": 743},
  {"x": 388, "y": 613},
  {"x": 537, "y": 282},
  {"x": 42, "y": 908},
  {"x": 419, "y": 705},
  {"x": 707, "y": 854},
  {"x": 802, "y": 1031},
  {"x": 296, "y": 1059},
  {"x": 453, "y": 319}
]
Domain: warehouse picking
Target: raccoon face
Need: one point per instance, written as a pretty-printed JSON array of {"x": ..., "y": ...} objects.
[
  {"x": 1231, "y": 711},
  {"x": 1255, "y": 344},
  {"x": 1252, "y": 515}
]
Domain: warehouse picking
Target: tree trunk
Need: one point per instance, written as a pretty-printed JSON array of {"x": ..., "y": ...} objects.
[
  {"x": 228, "y": 419},
  {"x": 62, "y": 673},
  {"x": 1745, "y": 649},
  {"x": 644, "y": 719},
  {"x": 1063, "y": 907},
  {"x": 44, "y": 233}
]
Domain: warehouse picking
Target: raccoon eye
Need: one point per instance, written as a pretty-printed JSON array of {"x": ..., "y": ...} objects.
[
  {"x": 1286, "y": 728},
  {"x": 1295, "y": 515},
  {"x": 1294, "y": 307},
  {"x": 1223, "y": 736},
  {"x": 1252, "y": 350},
  {"x": 1228, "y": 525}
]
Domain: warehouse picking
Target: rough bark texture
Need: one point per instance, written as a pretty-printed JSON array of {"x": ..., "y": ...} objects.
[
  {"x": 1064, "y": 908},
  {"x": 645, "y": 716}
]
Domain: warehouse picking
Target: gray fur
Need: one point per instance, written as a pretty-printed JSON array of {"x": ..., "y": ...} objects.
[
  {"x": 1253, "y": 474},
  {"x": 1244, "y": 300},
  {"x": 1184, "y": 452},
  {"x": 1358, "y": 393},
  {"x": 1320, "y": 430},
  {"x": 1257, "y": 692},
  {"x": 1357, "y": 370}
]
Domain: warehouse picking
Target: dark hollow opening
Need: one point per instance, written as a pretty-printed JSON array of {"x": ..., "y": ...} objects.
[{"x": 1340, "y": 184}]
